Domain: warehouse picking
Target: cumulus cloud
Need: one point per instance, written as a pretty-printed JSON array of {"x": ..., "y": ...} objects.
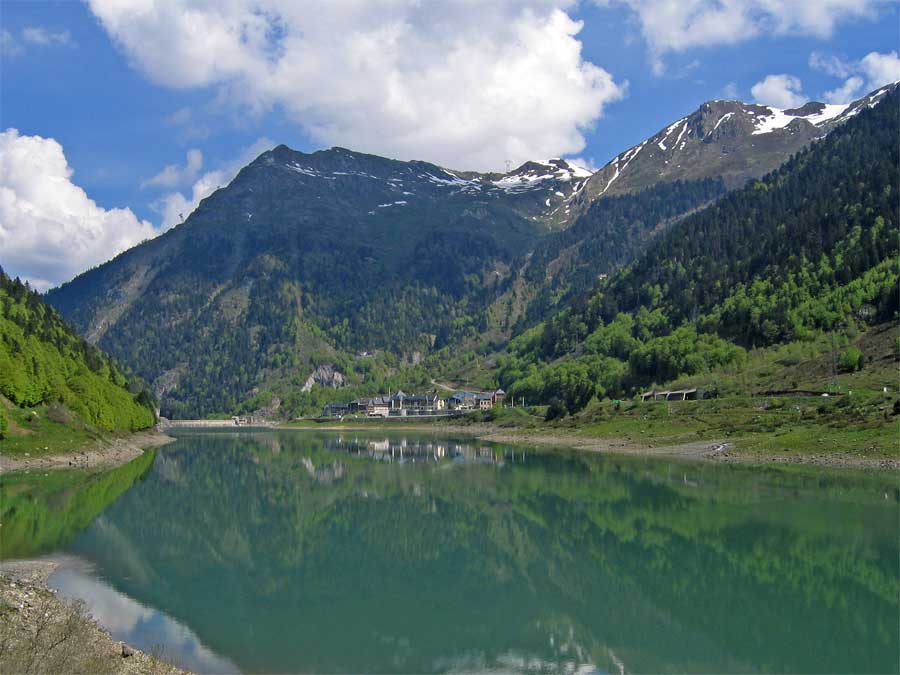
[
  {"x": 175, "y": 176},
  {"x": 45, "y": 37},
  {"x": 678, "y": 25},
  {"x": 174, "y": 207},
  {"x": 466, "y": 84},
  {"x": 779, "y": 91},
  {"x": 50, "y": 230},
  {"x": 872, "y": 71},
  {"x": 846, "y": 92}
]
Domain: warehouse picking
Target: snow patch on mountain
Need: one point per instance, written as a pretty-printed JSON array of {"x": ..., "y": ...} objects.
[
  {"x": 779, "y": 119},
  {"x": 722, "y": 119}
]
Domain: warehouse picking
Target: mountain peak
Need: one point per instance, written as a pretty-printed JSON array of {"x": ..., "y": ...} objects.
[{"x": 734, "y": 140}]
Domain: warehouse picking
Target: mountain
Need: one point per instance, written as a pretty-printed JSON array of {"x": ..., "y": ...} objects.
[
  {"x": 307, "y": 264},
  {"x": 730, "y": 140},
  {"x": 305, "y": 256},
  {"x": 644, "y": 191},
  {"x": 49, "y": 375},
  {"x": 811, "y": 248}
]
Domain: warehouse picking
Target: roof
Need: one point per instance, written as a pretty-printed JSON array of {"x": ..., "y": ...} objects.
[
  {"x": 670, "y": 391},
  {"x": 422, "y": 397},
  {"x": 463, "y": 394}
]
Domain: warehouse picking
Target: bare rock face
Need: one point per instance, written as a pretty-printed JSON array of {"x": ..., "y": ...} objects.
[
  {"x": 166, "y": 382},
  {"x": 327, "y": 376}
]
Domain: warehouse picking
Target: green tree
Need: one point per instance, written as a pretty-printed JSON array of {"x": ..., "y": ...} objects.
[{"x": 852, "y": 360}]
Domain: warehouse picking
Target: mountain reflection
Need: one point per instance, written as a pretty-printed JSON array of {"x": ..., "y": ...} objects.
[{"x": 286, "y": 552}]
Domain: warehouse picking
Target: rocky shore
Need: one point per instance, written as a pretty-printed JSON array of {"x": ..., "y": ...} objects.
[
  {"x": 715, "y": 451},
  {"x": 100, "y": 454},
  {"x": 41, "y": 633}
]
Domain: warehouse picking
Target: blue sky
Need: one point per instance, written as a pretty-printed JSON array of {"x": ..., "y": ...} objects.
[{"x": 467, "y": 85}]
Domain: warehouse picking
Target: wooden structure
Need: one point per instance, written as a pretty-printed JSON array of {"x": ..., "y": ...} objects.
[{"x": 677, "y": 395}]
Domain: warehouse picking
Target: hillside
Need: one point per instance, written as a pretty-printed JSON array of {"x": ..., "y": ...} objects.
[
  {"x": 812, "y": 247},
  {"x": 54, "y": 383},
  {"x": 305, "y": 261}
]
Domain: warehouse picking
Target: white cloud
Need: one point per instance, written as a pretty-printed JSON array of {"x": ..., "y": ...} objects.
[
  {"x": 872, "y": 71},
  {"x": 846, "y": 92},
  {"x": 587, "y": 163},
  {"x": 779, "y": 91},
  {"x": 174, "y": 207},
  {"x": 679, "y": 25},
  {"x": 466, "y": 84},
  {"x": 730, "y": 91},
  {"x": 50, "y": 230},
  {"x": 8, "y": 44},
  {"x": 831, "y": 65},
  {"x": 880, "y": 69},
  {"x": 45, "y": 38},
  {"x": 175, "y": 176}
]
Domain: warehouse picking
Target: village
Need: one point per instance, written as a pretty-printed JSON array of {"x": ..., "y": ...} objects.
[{"x": 401, "y": 404}]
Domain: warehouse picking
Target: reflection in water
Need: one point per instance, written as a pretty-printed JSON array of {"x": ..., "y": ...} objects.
[
  {"x": 402, "y": 449},
  {"x": 288, "y": 552},
  {"x": 126, "y": 620},
  {"x": 42, "y": 512}
]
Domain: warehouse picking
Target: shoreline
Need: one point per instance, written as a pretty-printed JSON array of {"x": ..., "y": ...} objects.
[
  {"x": 104, "y": 453},
  {"x": 716, "y": 450},
  {"x": 35, "y": 616}
]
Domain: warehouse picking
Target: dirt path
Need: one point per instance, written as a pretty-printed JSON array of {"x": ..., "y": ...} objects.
[
  {"x": 440, "y": 385},
  {"x": 43, "y": 634},
  {"x": 105, "y": 453}
]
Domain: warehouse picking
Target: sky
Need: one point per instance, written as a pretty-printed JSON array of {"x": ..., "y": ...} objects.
[{"x": 118, "y": 116}]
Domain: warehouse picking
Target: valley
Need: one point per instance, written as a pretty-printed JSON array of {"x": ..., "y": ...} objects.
[
  {"x": 314, "y": 280},
  {"x": 547, "y": 336}
]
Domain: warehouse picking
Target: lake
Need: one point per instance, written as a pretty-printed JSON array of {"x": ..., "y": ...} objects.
[{"x": 351, "y": 552}]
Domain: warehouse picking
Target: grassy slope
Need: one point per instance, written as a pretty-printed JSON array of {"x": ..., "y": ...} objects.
[
  {"x": 861, "y": 424},
  {"x": 56, "y": 391}
]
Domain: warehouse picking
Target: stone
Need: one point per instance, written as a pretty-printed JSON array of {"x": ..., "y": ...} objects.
[{"x": 126, "y": 651}]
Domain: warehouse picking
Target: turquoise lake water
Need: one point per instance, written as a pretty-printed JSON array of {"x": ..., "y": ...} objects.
[{"x": 341, "y": 552}]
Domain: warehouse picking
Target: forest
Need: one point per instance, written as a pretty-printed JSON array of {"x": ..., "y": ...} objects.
[
  {"x": 44, "y": 363},
  {"x": 811, "y": 247}
]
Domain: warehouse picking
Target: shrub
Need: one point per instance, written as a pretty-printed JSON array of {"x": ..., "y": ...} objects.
[
  {"x": 555, "y": 410},
  {"x": 852, "y": 360}
]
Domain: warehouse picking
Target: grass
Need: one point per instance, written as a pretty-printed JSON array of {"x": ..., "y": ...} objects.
[
  {"x": 33, "y": 432},
  {"x": 859, "y": 418},
  {"x": 866, "y": 427}
]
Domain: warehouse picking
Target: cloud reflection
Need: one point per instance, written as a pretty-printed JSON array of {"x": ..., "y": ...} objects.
[{"x": 138, "y": 625}]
